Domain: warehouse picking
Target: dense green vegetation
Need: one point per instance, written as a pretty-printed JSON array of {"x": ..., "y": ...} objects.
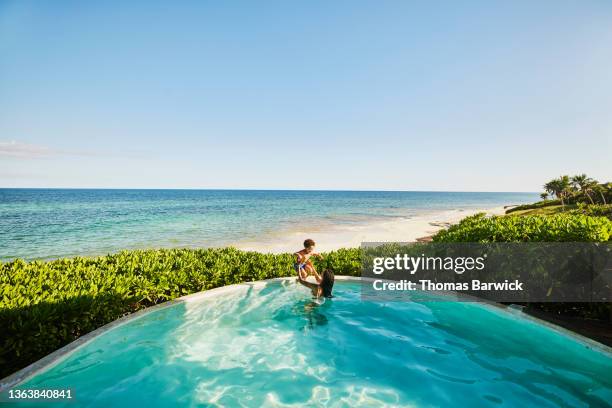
[
  {"x": 539, "y": 204},
  {"x": 595, "y": 210},
  {"x": 529, "y": 228},
  {"x": 545, "y": 210},
  {"x": 546, "y": 221},
  {"x": 571, "y": 190},
  {"x": 45, "y": 305}
]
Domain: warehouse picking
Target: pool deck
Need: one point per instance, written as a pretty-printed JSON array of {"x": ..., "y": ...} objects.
[{"x": 59, "y": 355}]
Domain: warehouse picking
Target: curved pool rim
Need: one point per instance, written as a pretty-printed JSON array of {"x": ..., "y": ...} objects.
[{"x": 56, "y": 357}]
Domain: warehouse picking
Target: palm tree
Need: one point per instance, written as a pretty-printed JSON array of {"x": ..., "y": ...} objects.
[
  {"x": 584, "y": 184},
  {"x": 544, "y": 196},
  {"x": 601, "y": 189},
  {"x": 590, "y": 189},
  {"x": 560, "y": 187}
]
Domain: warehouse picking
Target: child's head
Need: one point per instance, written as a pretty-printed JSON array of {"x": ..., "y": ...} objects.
[
  {"x": 327, "y": 282},
  {"x": 309, "y": 245}
]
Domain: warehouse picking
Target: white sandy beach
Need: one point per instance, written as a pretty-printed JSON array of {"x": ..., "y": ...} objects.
[{"x": 341, "y": 236}]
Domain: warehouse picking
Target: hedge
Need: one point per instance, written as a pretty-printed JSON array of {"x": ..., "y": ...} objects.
[
  {"x": 597, "y": 210},
  {"x": 566, "y": 227},
  {"x": 528, "y": 228}
]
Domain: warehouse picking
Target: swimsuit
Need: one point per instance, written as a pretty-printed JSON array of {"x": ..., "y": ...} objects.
[{"x": 299, "y": 266}]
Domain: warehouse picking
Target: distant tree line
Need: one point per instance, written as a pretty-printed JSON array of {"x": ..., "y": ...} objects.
[{"x": 576, "y": 189}]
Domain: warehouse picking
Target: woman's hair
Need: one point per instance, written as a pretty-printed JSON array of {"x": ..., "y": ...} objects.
[{"x": 327, "y": 283}]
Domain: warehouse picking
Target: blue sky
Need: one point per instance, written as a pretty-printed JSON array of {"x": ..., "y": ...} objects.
[{"x": 389, "y": 95}]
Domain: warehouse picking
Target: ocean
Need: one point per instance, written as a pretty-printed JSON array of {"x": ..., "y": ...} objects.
[{"x": 55, "y": 223}]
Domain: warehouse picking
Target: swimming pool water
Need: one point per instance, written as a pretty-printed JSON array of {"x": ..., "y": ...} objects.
[{"x": 269, "y": 344}]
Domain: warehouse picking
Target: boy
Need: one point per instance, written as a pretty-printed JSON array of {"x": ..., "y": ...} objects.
[{"x": 303, "y": 266}]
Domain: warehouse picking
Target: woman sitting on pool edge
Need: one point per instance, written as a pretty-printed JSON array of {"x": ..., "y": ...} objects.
[{"x": 324, "y": 287}]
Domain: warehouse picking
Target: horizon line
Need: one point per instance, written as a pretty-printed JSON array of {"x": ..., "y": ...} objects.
[{"x": 263, "y": 189}]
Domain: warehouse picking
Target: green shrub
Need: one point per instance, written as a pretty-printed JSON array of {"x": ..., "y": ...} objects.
[
  {"x": 539, "y": 204},
  {"x": 598, "y": 195},
  {"x": 566, "y": 227},
  {"x": 597, "y": 210},
  {"x": 530, "y": 228},
  {"x": 46, "y": 305}
]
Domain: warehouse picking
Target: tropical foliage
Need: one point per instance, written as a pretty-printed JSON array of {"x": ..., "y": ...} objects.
[
  {"x": 596, "y": 210},
  {"x": 585, "y": 185},
  {"x": 582, "y": 224},
  {"x": 559, "y": 187},
  {"x": 578, "y": 188},
  {"x": 571, "y": 190},
  {"x": 539, "y": 204},
  {"x": 543, "y": 228}
]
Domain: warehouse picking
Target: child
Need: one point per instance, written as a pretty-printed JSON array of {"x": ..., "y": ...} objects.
[
  {"x": 303, "y": 266},
  {"x": 325, "y": 286}
]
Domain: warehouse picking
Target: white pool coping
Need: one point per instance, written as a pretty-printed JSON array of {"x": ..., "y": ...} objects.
[{"x": 56, "y": 357}]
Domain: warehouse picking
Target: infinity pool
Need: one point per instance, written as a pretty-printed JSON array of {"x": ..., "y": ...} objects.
[{"x": 268, "y": 344}]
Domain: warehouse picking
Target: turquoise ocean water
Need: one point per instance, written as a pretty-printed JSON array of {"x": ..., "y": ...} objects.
[
  {"x": 53, "y": 223},
  {"x": 270, "y": 345}
]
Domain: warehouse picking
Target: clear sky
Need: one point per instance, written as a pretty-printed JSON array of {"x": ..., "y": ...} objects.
[{"x": 399, "y": 95}]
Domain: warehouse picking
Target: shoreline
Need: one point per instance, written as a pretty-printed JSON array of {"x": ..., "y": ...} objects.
[
  {"x": 334, "y": 236},
  {"x": 329, "y": 235}
]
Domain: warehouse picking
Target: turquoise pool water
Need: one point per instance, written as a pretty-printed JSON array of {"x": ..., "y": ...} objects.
[{"x": 268, "y": 344}]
